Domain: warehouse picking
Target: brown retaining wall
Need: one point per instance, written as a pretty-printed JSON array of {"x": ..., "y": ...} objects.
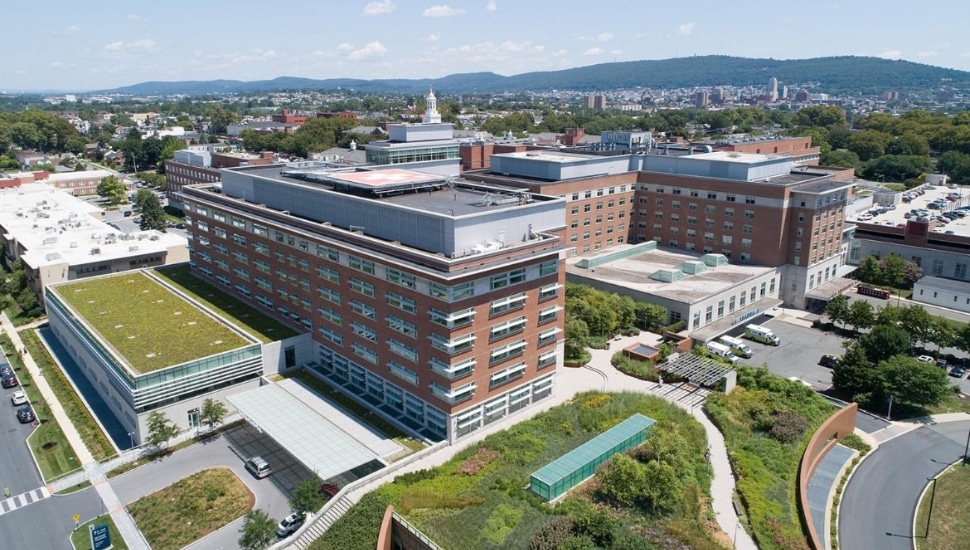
[{"x": 839, "y": 425}]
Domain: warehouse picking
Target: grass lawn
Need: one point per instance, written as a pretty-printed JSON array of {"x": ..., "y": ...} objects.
[
  {"x": 191, "y": 508},
  {"x": 89, "y": 430},
  {"x": 952, "y": 403},
  {"x": 377, "y": 421},
  {"x": 950, "y": 524},
  {"x": 81, "y": 539},
  {"x": 141, "y": 319},
  {"x": 480, "y": 499},
  {"x": 240, "y": 314}
]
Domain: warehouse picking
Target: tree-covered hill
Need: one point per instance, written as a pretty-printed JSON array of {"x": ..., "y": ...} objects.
[{"x": 848, "y": 74}]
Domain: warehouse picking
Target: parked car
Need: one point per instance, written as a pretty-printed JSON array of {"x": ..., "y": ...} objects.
[
  {"x": 5, "y": 369},
  {"x": 289, "y": 525},
  {"x": 924, "y": 359},
  {"x": 329, "y": 489},
  {"x": 25, "y": 415},
  {"x": 829, "y": 361},
  {"x": 18, "y": 398},
  {"x": 958, "y": 372},
  {"x": 864, "y": 217},
  {"x": 8, "y": 381}
]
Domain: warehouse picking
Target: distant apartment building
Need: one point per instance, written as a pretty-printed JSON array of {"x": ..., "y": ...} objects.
[
  {"x": 79, "y": 184},
  {"x": 436, "y": 300},
  {"x": 702, "y": 99},
  {"x": 596, "y": 101}
]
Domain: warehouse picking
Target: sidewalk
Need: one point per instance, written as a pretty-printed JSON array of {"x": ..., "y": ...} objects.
[
  {"x": 722, "y": 486},
  {"x": 63, "y": 420}
]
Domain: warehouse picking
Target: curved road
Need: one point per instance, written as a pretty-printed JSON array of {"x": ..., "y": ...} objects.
[{"x": 879, "y": 503}]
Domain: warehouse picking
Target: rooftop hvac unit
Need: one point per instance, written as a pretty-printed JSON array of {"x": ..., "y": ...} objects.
[
  {"x": 133, "y": 248},
  {"x": 95, "y": 251}
]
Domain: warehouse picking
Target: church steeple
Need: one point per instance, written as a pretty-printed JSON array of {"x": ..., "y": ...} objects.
[{"x": 431, "y": 114}]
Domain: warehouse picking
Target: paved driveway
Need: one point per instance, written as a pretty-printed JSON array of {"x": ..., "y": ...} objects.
[
  {"x": 155, "y": 476},
  {"x": 48, "y": 523},
  {"x": 878, "y": 504},
  {"x": 798, "y": 354},
  {"x": 17, "y": 469}
]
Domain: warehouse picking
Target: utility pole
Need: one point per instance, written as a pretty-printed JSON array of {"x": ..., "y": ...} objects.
[{"x": 929, "y": 514}]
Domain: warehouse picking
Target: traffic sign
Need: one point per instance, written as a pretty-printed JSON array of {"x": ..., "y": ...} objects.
[{"x": 77, "y": 518}]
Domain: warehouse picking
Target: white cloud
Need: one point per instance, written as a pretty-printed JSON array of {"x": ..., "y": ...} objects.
[
  {"x": 432, "y": 37},
  {"x": 927, "y": 54},
  {"x": 135, "y": 17},
  {"x": 370, "y": 51},
  {"x": 685, "y": 29},
  {"x": 890, "y": 54},
  {"x": 119, "y": 47},
  {"x": 72, "y": 29},
  {"x": 379, "y": 8},
  {"x": 616, "y": 52},
  {"x": 442, "y": 11},
  {"x": 593, "y": 51},
  {"x": 490, "y": 6},
  {"x": 344, "y": 47},
  {"x": 601, "y": 37},
  {"x": 255, "y": 55}
]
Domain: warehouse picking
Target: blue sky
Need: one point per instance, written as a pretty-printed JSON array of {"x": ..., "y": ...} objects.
[{"x": 72, "y": 45}]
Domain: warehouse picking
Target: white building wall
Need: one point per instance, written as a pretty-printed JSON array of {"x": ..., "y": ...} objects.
[{"x": 926, "y": 291}]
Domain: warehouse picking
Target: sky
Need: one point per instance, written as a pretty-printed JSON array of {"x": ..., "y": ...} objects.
[{"x": 76, "y": 46}]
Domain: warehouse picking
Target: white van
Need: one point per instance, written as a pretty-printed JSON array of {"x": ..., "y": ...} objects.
[
  {"x": 258, "y": 467},
  {"x": 761, "y": 334},
  {"x": 737, "y": 346},
  {"x": 722, "y": 351}
]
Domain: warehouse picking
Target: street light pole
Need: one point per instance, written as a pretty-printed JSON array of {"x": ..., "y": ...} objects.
[
  {"x": 967, "y": 448},
  {"x": 889, "y": 413},
  {"x": 131, "y": 438},
  {"x": 930, "y": 513},
  {"x": 736, "y": 525}
]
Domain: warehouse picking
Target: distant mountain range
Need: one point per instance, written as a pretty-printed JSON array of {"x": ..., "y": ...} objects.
[{"x": 848, "y": 74}]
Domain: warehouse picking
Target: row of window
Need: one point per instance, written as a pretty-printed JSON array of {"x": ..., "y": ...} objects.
[
  {"x": 590, "y": 193},
  {"x": 711, "y": 195}
]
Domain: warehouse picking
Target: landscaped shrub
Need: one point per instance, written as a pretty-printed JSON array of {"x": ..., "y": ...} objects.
[
  {"x": 500, "y": 523},
  {"x": 474, "y": 464},
  {"x": 853, "y": 441},
  {"x": 644, "y": 370},
  {"x": 552, "y": 534},
  {"x": 787, "y": 427}
]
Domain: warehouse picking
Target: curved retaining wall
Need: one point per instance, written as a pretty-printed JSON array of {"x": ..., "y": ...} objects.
[{"x": 839, "y": 425}]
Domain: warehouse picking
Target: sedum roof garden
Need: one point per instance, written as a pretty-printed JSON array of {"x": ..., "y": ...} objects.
[{"x": 147, "y": 325}]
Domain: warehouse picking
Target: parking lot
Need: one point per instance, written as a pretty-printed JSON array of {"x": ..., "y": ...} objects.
[
  {"x": 17, "y": 470},
  {"x": 799, "y": 353},
  {"x": 934, "y": 201},
  {"x": 288, "y": 472}
]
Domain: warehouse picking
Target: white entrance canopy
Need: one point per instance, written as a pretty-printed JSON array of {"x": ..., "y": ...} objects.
[{"x": 315, "y": 441}]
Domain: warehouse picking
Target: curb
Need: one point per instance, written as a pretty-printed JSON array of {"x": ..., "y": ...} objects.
[
  {"x": 838, "y": 511},
  {"x": 923, "y": 493}
]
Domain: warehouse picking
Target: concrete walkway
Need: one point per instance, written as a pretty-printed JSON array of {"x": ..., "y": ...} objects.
[
  {"x": 80, "y": 449},
  {"x": 91, "y": 469}
]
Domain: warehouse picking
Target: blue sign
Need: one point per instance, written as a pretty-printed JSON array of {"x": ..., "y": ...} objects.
[{"x": 100, "y": 537}]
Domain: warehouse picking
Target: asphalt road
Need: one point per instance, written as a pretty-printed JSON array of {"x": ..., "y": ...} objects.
[
  {"x": 799, "y": 352},
  {"x": 160, "y": 474},
  {"x": 17, "y": 469},
  {"x": 49, "y": 522},
  {"x": 879, "y": 503}
]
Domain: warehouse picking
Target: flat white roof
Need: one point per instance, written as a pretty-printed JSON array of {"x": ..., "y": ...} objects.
[
  {"x": 55, "y": 228},
  {"x": 634, "y": 273},
  {"x": 315, "y": 441},
  {"x": 550, "y": 156},
  {"x": 734, "y": 156}
]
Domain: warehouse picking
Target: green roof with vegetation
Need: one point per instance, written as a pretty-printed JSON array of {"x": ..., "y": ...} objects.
[
  {"x": 147, "y": 324},
  {"x": 247, "y": 318}
]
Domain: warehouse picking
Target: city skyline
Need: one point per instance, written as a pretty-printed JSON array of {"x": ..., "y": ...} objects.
[{"x": 113, "y": 44}]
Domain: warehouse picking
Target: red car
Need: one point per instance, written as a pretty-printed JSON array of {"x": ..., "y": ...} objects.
[{"x": 329, "y": 489}]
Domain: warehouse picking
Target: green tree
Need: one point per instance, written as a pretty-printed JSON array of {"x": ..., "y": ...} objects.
[
  {"x": 112, "y": 190},
  {"x": 257, "y": 531},
  {"x": 662, "y": 487},
  {"x": 884, "y": 341},
  {"x": 909, "y": 143},
  {"x": 889, "y": 315},
  {"x": 152, "y": 214},
  {"x": 942, "y": 333},
  {"x": 911, "y": 381},
  {"x": 160, "y": 430},
  {"x": 897, "y": 168},
  {"x": 861, "y": 315},
  {"x": 307, "y": 498},
  {"x": 963, "y": 338},
  {"x": 598, "y": 524},
  {"x": 622, "y": 479},
  {"x": 894, "y": 270},
  {"x": 820, "y": 116},
  {"x": 141, "y": 196},
  {"x": 577, "y": 335},
  {"x": 854, "y": 373},
  {"x": 650, "y": 315},
  {"x": 212, "y": 413},
  {"x": 918, "y": 323},
  {"x": 869, "y": 271},
  {"x": 868, "y": 144},
  {"x": 220, "y": 119},
  {"x": 838, "y": 309}
]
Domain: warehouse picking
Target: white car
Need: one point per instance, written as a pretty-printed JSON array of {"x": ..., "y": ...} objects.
[
  {"x": 289, "y": 525},
  {"x": 864, "y": 217},
  {"x": 925, "y": 359},
  {"x": 18, "y": 398}
]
